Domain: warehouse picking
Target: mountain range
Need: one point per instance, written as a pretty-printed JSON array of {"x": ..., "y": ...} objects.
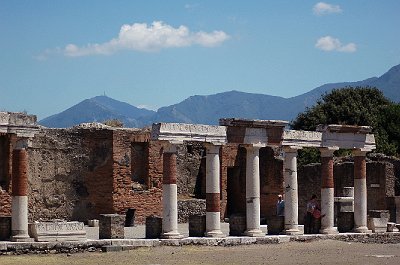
[{"x": 208, "y": 109}]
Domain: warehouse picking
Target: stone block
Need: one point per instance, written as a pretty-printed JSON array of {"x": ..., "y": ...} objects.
[
  {"x": 93, "y": 223},
  {"x": 237, "y": 224},
  {"x": 379, "y": 214},
  {"x": 5, "y": 228},
  {"x": 111, "y": 226},
  {"x": 264, "y": 229},
  {"x": 111, "y": 248},
  {"x": 57, "y": 231},
  {"x": 345, "y": 221},
  {"x": 301, "y": 229},
  {"x": 276, "y": 225},
  {"x": 391, "y": 227},
  {"x": 153, "y": 227},
  {"x": 197, "y": 225},
  {"x": 377, "y": 225}
]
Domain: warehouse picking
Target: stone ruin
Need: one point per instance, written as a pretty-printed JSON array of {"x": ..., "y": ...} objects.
[{"x": 235, "y": 169}]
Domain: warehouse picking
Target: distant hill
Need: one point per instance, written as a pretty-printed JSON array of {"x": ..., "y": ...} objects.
[
  {"x": 98, "y": 109},
  {"x": 208, "y": 109}
]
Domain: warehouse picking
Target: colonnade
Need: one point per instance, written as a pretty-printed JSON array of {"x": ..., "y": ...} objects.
[{"x": 327, "y": 191}]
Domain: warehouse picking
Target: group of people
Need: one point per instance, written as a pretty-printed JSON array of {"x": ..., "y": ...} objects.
[{"x": 313, "y": 216}]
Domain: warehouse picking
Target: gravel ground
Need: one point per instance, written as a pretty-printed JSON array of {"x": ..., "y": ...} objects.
[{"x": 314, "y": 252}]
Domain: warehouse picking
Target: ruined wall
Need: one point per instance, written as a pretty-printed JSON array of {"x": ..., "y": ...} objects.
[
  {"x": 57, "y": 161},
  {"x": 380, "y": 183}
]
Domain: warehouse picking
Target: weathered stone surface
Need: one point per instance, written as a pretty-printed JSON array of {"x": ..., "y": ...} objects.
[
  {"x": 180, "y": 132},
  {"x": 377, "y": 225},
  {"x": 18, "y": 123},
  {"x": 5, "y": 227},
  {"x": 189, "y": 207},
  {"x": 153, "y": 227},
  {"x": 57, "y": 231},
  {"x": 197, "y": 225},
  {"x": 111, "y": 226},
  {"x": 302, "y": 138},
  {"x": 391, "y": 227}
]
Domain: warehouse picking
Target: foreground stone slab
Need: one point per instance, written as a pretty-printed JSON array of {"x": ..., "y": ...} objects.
[{"x": 57, "y": 231}]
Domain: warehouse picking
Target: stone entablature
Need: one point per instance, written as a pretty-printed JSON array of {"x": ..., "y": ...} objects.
[
  {"x": 255, "y": 132},
  {"x": 332, "y": 136},
  {"x": 177, "y": 133},
  {"x": 57, "y": 231},
  {"x": 21, "y": 124}
]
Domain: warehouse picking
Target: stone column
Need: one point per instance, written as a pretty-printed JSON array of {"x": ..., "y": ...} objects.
[
  {"x": 327, "y": 192},
  {"x": 360, "y": 192},
  {"x": 213, "y": 215},
  {"x": 291, "y": 191},
  {"x": 253, "y": 191},
  {"x": 170, "y": 194},
  {"x": 19, "y": 203}
]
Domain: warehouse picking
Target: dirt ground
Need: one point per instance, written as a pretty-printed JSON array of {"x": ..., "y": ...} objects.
[{"x": 315, "y": 252}]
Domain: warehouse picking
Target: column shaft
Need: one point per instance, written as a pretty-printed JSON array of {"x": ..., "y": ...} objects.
[
  {"x": 360, "y": 192},
  {"x": 327, "y": 193},
  {"x": 170, "y": 194},
  {"x": 253, "y": 192},
  {"x": 19, "y": 203},
  {"x": 213, "y": 215},
  {"x": 291, "y": 192}
]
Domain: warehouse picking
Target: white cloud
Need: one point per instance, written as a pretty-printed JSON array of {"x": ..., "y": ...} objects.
[
  {"x": 148, "y": 38},
  {"x": 322, "y": 8},
  {"x": 329, "y": 43}
]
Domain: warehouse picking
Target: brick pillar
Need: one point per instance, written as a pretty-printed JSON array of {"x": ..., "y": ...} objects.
[
  {"x": 291, "y": 191},
  {"x": 19, "y": 203},
  {"x": 327, "y": 192},
  {"x": 213, "y": 215},
  {"x": 253, "y": 191},
  {"x": 170, "y": 194},
  {"x": 360, "y": 192}
]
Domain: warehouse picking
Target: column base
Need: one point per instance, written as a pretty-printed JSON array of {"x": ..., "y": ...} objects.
[
  {"x": 362, "y": 229},
  {"x": 254, "y": 233},
  {"x": 292, "y": 231},
  {"x": 21, "y": 238},
  {"x": 329, "y": 231},
  {"x": 215, "y": 233},
  {"x": 171, "y": 235}
]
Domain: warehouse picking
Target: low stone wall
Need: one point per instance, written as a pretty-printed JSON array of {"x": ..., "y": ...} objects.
[{"x": 190, "y": 207}]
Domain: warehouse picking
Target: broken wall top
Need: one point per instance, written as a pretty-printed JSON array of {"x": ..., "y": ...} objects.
[{"x": 21, "y": 124}]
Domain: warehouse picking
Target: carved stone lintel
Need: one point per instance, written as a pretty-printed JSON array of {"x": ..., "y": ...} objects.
[{"x": 179, "y": 132}]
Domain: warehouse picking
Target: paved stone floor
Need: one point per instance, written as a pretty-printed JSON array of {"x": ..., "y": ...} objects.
[{"x": 311, "y": 252}]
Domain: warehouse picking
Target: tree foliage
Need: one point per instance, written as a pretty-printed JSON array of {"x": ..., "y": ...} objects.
[{"x": 356, "y": 106}]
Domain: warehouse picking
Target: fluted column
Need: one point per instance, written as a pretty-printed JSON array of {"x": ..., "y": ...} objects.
[
  {"x": 253, "y": 191},
  {"x": 213, "y": 215},
  {"x": 170, "y": 194},
  {"x": 19, "y": 203},
  {"x": 360, "y": 192},
  {"x": 327, "y": 192},
  {"x": 291, "y": 191}
]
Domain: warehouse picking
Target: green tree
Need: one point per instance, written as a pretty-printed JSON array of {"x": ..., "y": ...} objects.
[{"x": 356, "y": 106}]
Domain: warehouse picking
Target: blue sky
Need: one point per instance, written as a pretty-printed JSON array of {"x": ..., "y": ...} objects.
[{"x": 54, "y": 54}]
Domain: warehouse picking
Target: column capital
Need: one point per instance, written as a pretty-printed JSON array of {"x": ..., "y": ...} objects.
[
  {"x": 360, "y": 152},
  {"x": 22, "y": 143},
  {"x": 327, "y": 151},
  {"x": 169, "y": 147},
  {"x": 212, "y": 148},
  {"x": 253, "y": 146},
  {"x": 291, "y": 148}
]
